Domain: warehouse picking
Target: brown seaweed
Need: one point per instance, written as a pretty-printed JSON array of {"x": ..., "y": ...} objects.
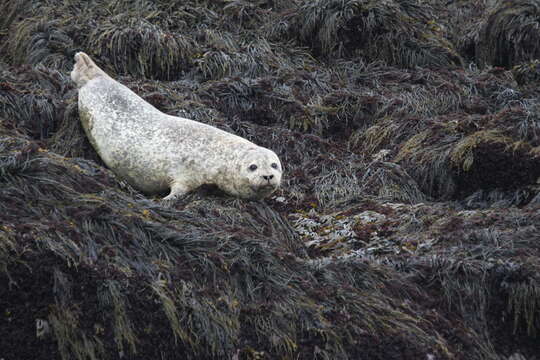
[{"x": 406, "y": 226}]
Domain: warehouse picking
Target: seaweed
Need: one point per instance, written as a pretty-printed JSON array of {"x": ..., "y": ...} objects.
[
  {"x": 508, "y": 35},
  {"x": 406, "y": 225},
  {"x": 142, "y": 49},
  {"x": 374, "y": 30}
]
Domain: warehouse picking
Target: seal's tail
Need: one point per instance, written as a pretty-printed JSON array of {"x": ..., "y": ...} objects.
[{"x": 85, "y": 69}]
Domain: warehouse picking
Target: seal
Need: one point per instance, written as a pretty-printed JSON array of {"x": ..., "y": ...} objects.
[{"x": 156, "y": 152}]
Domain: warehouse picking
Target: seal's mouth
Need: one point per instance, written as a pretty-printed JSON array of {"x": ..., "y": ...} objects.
[{"x": 263, "y": 189}]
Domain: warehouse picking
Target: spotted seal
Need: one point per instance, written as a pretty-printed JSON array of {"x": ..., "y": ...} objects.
[{"x": 156, "y": 152}]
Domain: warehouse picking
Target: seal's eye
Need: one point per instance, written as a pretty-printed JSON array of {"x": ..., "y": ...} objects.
[
  {"x": 274, "y": 165},
  {"x": 253, "y": 167}
]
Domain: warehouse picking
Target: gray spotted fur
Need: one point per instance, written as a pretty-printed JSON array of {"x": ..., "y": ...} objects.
[{"x": 155, "y": 152}]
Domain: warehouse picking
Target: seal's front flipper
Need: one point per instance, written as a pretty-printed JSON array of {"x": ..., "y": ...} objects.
[{"x": 177, "y": 190}]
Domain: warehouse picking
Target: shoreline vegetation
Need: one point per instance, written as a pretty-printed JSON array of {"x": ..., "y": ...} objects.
[{"x": 408, "y": 221}]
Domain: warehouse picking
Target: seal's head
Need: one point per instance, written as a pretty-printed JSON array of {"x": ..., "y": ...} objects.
[{"x": 258, "y": 173}]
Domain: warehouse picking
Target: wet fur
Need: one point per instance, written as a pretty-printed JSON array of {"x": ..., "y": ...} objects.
[{"x": 154, "y": 151}]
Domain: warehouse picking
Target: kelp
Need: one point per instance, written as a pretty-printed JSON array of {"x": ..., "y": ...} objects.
[
  {"x": 218, "y": 272},
  {"x": 508, "y": 34},
  {"x": 406, "y": 225},
  {"x": 140, "y": 48},
  {"x": 402, "y": 33}
]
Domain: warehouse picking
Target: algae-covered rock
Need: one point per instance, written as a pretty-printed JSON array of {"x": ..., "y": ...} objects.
[
  {"x": 402, "y": 33},
  {"x": 406, "y": 226},
  {"x": 508, "y": 34}
]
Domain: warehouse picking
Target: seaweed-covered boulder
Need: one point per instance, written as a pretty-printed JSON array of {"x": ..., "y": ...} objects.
[
  {"x": 31, "y": 100},
  {"x": 509, "y": 35},
  {"x": 119, "y": 274},
  {"x": 402, "y": 33},
  {"x": 139, "y": 48},
  {"x": 406, "y": 226}
]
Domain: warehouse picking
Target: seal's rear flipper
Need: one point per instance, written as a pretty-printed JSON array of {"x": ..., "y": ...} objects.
[{"x": 85, "y": 70}]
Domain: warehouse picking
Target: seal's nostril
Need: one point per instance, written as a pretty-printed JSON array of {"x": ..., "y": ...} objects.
[{"x": 268, "y": 177}]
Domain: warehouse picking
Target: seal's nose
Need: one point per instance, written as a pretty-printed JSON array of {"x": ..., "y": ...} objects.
[{"x": 268, "y": 177}]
